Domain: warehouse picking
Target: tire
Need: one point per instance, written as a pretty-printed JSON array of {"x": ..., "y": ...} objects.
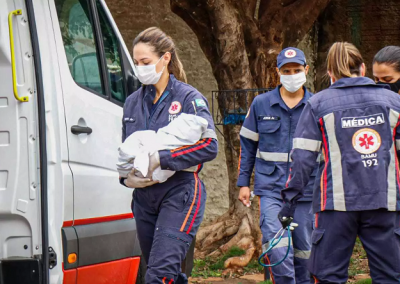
[{"x": 141, "y": 272}]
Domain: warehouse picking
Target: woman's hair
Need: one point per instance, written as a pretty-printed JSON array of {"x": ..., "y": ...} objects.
[
  {"x": 161, "y": 43},
  {"x": 389, "y": 55},
  {"x": 344, "y": 60}
]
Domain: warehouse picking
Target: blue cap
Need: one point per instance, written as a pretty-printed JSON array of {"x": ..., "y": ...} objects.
[{"x": 291, "y": 55}]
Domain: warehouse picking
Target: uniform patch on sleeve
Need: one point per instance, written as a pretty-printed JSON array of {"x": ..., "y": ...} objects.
[{"x": 200, "y": 103}]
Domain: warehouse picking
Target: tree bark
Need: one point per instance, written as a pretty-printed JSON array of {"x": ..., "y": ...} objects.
[{"x": 241, "y": 40}]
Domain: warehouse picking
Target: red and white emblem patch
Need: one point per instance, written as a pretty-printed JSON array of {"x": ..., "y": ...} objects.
[
  {"x": 366, "y": 141},
  {"x": 175, "y": 107},
  {"x": 290, "y": 53}
]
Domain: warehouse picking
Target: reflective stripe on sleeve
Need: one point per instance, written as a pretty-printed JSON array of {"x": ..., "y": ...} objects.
[
  {"x": 272, "y": 156},
  {"x": 307, "y": 144},
  {"x": 247, "y": 133}
]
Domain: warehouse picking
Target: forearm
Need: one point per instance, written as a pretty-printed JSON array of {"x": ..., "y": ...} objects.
[
  {"x": 185, "y": 157},
  {"x": 248, "y": 150}
]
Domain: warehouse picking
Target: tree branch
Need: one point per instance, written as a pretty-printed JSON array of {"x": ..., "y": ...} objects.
[
  {"x": 233, "y": 69},
  {"x": 261, "y": 52},
  {"x": 302, "y": 15},
  {"x": 196, "y": 17}
]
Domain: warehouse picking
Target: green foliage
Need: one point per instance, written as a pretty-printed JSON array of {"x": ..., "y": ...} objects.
[
  {"x": 254, "y": 266},
  {"x": 234, "y": 251},
  {"x": 364, "y": 281}
]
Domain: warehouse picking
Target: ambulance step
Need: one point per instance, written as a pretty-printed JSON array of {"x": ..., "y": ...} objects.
[{"x": 20, "y": 271}]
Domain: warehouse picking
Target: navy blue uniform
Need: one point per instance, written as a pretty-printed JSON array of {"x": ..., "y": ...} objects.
[
  {"x": 168, "y": 214},
  {"x": 266, "y": 142},
  {"x": 355, "y": 123}
]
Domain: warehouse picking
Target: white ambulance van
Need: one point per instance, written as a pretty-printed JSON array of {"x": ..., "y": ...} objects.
[{"x": 64, "y": 75}]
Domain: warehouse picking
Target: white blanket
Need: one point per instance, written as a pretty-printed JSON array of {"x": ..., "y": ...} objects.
[{"x": 186, "y": 129}]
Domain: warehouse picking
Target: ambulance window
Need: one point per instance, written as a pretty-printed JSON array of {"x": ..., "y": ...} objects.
[
  {"x": 113, "y": 57},
  {"x": 79, "y": 43}
]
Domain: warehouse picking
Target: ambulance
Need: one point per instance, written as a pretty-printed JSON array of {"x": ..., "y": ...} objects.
[{"x": 65, "y": 73}]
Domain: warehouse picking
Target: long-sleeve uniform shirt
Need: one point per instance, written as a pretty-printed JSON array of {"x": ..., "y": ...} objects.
[
  {"x": 141, "y": 114},
  {"x": 356, "y": 124},
  {"x": 266, "y": 142}
]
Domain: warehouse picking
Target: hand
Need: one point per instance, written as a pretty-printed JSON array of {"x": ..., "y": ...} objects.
[
  {"x": 154, "y": 163},
  {"x": 287, "y": 222},
  {"x": 244, "y": 196},
  {"x": 286, "y": 214},
  {"x": 134, "y": 181}
]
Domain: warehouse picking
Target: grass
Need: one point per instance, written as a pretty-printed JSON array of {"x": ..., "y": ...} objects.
[
  {"x": 213, "y": 268},
  {"x": 219, "y": 264},
  {"x": 364, "y": 281},
  {"x": 358, "y": 261},
  {"x": 253, "y": 266}
]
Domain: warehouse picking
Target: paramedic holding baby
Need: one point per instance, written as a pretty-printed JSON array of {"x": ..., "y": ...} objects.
[{"x": 167, "y": 214}]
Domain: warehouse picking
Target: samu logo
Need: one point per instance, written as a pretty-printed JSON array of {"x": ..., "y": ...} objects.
[{"x": 366, "y": 141}]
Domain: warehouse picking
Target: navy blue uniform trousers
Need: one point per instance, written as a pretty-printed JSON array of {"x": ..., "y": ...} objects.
[
  {"x": 168, "y": 216},
  {"x": 293, "y": 270},
  {"x": 334, "y": 238}
]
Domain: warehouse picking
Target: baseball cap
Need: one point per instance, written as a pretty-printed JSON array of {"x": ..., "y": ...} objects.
[{"x": 291, "y": 55}]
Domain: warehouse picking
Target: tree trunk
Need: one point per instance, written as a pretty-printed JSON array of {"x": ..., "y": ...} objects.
[{"x": 241, "y": 40}]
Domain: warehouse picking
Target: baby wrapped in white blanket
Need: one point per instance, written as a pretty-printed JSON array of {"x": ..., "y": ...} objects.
[{"x": 134, "y": 153}]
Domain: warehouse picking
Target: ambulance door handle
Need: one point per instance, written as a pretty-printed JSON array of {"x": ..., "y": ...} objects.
[
  {"x": 13, "y": 61},
  {"x": 76, "y": 129}
]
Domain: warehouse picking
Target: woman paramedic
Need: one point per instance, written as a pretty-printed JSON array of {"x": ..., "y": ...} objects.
[
  {"x": 355, "y": 123},
  {"x": 386, "y": 67},
  {"x": 167, "y": 214}
]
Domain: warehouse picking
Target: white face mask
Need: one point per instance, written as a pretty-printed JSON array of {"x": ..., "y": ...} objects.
[
  {"x": 292, "y": 83},
  {"x": 148, "y": 75}
]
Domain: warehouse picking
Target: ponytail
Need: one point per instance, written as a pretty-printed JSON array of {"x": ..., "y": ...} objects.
[
  {"x": 162, "y": 44},
  {"x": 175, "y": 67},
  {"x": 344, "y": 60}
]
